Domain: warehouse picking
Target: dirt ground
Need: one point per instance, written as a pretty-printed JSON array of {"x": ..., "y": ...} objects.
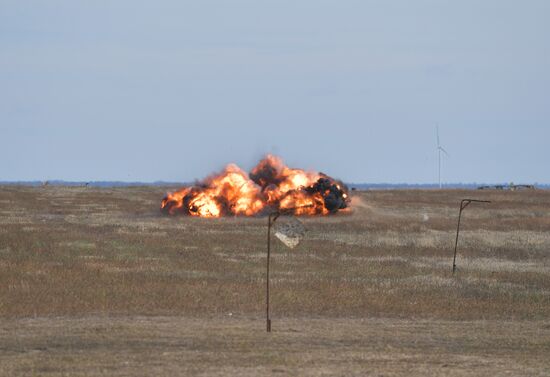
[
  {"x": 220, "y": 346},
  {"x": 97, "y": 282}
]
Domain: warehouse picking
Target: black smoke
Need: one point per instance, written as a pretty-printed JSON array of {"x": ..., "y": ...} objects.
[{"x": 334, "y": 194}]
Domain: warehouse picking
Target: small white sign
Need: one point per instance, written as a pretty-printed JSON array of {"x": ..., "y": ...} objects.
[{"x": 290, "y": 231}]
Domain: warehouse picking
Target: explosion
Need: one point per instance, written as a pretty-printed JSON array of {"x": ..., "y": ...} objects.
[{"x": 270, "y": 186}]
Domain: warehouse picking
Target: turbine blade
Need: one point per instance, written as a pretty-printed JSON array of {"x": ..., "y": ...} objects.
[
  {"x": 437, "y": 133},
  {"x": 444, "y": 151}
]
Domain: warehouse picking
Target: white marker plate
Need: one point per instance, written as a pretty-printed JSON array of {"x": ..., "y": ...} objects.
[{"x": 290, "y": 231}]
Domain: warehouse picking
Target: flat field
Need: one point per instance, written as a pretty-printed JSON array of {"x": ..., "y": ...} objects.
[{"x": 97, "y": 282}]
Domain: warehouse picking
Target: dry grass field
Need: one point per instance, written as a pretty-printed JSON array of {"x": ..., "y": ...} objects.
[{"x": 97, "y": 282}]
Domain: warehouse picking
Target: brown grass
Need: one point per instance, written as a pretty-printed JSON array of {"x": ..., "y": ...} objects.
[
  {"x": 168, "y": 346},
  {"x": 81, "y": 252}
]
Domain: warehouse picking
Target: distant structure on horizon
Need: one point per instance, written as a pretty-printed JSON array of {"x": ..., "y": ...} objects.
[{"x": 510, "y": 187}]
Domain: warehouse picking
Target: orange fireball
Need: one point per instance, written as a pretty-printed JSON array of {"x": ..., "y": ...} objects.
[{"x": 270, "y": 186}]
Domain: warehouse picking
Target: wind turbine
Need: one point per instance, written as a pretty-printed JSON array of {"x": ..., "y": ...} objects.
[{"x": 439, "y": 150}]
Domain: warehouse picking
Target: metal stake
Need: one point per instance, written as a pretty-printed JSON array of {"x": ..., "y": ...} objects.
[
  {"x": 270, "y": 221},
  {"x": 463, "y": 204}
]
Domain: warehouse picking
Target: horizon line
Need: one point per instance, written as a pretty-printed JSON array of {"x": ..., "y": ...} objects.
[{"x": 107, "y": 183}]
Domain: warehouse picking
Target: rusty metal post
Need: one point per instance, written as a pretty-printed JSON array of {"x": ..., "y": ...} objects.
[
  {"x": 269, "y": 224},
  {"x": 270, "y": 221},
  {"x": 463, "y": 204},
  {"x": 268, "y": 320}
]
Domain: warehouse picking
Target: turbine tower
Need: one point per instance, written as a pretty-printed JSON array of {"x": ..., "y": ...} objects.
[{"x": 439, "y": 150}]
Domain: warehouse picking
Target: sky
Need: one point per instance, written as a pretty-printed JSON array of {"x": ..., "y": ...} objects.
[{"x": 174, "y": 90}]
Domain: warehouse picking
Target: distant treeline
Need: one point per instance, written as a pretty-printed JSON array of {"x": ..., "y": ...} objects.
[
  {"x": 90, "y": 183},
  {"x": 423, "y": 186},
  {"x": 358, "y": 186}
]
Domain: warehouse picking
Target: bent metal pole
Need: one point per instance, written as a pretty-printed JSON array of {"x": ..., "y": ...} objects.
[
  {"x": 270, "y": 221},
  {"x": 463, "y": 204}
]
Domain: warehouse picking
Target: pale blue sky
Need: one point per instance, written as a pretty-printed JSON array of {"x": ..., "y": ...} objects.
[{"x": 173, "y": 90}]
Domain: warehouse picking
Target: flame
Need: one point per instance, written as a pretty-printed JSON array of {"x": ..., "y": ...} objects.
[{"x": 271, "y": 185}]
